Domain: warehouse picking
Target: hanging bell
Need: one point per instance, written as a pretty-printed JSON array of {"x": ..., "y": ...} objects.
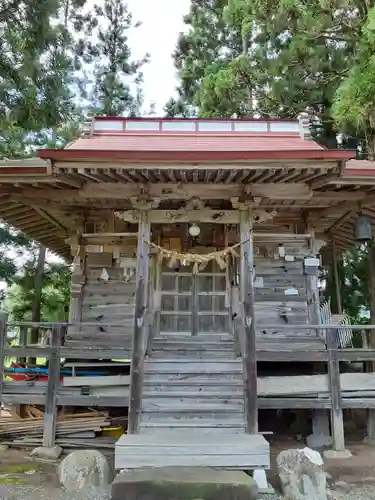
[{"x": 363, "y": 228}]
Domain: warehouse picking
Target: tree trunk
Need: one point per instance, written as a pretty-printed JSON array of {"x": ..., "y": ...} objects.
[{"x": 36, "y": 304}]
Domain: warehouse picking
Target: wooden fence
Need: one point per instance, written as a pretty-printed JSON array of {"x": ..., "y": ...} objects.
[
  {"x": 333, "y": 391},
  {"x": 51, "y": 394}
]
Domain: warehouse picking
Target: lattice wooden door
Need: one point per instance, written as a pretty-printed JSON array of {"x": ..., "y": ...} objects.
[{"x": 193, "y": 304}]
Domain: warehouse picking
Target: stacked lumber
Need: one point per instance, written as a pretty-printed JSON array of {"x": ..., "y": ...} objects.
[{"x": 73, "y": 430}]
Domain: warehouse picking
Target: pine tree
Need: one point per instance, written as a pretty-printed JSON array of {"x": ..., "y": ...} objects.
[
  {"x": 354, "y": 103},
  {"x": 33, "y": 87},
  {"x": 40, "y": 60},
  {"x": 208, "y": 46},
  {"x": 281, "y": 57},
  {"x": 117, "y": 78}
]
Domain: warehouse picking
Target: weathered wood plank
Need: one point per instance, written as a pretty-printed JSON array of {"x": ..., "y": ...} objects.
[
  {"x": 139, "y": 338},
  {"x": 3, "y": 342},
  {"x": 305, "y": 384},
  {"x": 294, "y": 403},
  {"x": 97, "y": 381},
  {"x": 241, "y": 462},
  {"x": 337, "y": 420},
  {"x": 50, "y": 411},
  {"x": 247, "y": 298},
  {"x": 183, "y": 367}
]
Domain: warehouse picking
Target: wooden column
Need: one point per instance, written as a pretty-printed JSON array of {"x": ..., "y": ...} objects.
[
  {"x": 370, "y": 366},
  {"x": 50, "y": 410},
  {"x": 335, "y": 270},
  {"x": 247, "y": 300},
  {"x": 337, "y": 421},
  {"x": 312, "y": 285},
  {"x": 37, "y": 299},
  {"x": 78, "y": 279},
  {"x": 320, "y": 418},
  {"x": 3, "y": 341},
  {"x": 139, "y": 335},
  {"x": 157, "y": 295},
  {"x": 194, "y": 305},
  {"x": 23, "y": 343}
]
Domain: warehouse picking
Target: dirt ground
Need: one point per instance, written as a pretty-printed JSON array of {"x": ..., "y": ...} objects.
[{"x": 38, "y": 479}]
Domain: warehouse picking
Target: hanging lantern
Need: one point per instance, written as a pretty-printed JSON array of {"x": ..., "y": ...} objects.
[{"x": 363, "y": 228}]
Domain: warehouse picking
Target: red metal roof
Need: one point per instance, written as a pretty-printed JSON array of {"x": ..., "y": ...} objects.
[
  {"x": 194, "y": 140},
  {"x": 164, "y": 141},
  {"x": 360, "y": 167}
]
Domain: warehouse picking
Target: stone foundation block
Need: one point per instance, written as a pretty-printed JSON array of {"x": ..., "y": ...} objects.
[{"x": 183, "y": 483}]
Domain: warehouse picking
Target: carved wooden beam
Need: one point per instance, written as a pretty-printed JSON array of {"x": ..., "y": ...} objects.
[
  {"x": 169, "y": 191},
  {"x": 343, "y": 207},
  {"x": 107, "y": 192},
  {"x": 280, "y": 191},
  {"x": 199, "y": 215}
]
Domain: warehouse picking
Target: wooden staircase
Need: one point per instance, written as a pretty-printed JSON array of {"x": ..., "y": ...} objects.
[
  {"x": 192, "y": 408},
  {"x": 193, "y": 383}
]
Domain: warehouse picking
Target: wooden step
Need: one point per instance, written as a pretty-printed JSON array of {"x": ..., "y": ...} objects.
[
  {"x": 194, "y": 355},
  {"x": 212, "y": 415},
  {"x": 206, "y": 391},
  {"x": 192, "y": 346},
  {"x": 181, "y": 366},
  {"x": 215, "y": 338},
  {"x": 150, "y": 429},
  {"x": 205, "y": 425},
  {"x": 192, "y": 379},
  {"x": 196, "y": 404},
  {"x": 200, "y": 449}
]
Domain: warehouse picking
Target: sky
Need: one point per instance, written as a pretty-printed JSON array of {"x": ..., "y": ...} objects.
[{"x": 162, "y": 22}]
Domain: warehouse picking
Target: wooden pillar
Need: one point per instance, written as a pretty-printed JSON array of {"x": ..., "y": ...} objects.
[
  {"x": 194, "y": 305},
  {"x": 3, "y": 342},
  {"x": 37, "y": 299},
  {"x": 50, "y": 410},
  {"x": 337, "y": 421},
  {"x": 23, "y": 343},
  {"x": 247, "y": 300},
  {"x": 312, "y": 285},
  {"x": 157, "y": 294},
  {"x": 335, "y": 270},
  {"x": 320, "y": 418},
  {"x": 78, "y": 279},
  {"x": 370, "y": 366},
  {"x": 139, "y": 335}
]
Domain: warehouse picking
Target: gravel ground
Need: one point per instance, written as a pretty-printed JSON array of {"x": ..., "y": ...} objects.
[
  {"x": 366, "y": 492},
  {"x": 24, "y": 493},
  {"x": 358, "y": 493}
]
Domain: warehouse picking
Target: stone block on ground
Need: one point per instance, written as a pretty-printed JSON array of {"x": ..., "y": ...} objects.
[
  {"x": 185, "y": 483},
  {"x": 51, "y": 453},
  {"x": 318, "y": 441},
  {"x": 330, "y": 454},
  {"x": 302, "y": 475},
  {"x": 84, "y": 468}
]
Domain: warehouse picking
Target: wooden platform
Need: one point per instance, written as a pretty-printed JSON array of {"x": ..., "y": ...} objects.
[{"x": 196, "y": 448}]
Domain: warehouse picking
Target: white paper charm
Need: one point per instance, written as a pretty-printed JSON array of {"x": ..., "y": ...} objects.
[{"x": 104, "y": 275}]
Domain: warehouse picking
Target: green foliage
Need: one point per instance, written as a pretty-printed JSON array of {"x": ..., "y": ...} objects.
[
  {"x": 354, "y": 105},
  {"x": 35, "y": 68},
  {"x": 283, "y": 57},
  {"x": 12, "y": 246},
  {"x": 354, "y": 283},
  {"x": 117, "y": 78},
  {"x": 55, "y": 292},
  {"x": 209, "y": 41},
  {"x": 177, "y": 108}
]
